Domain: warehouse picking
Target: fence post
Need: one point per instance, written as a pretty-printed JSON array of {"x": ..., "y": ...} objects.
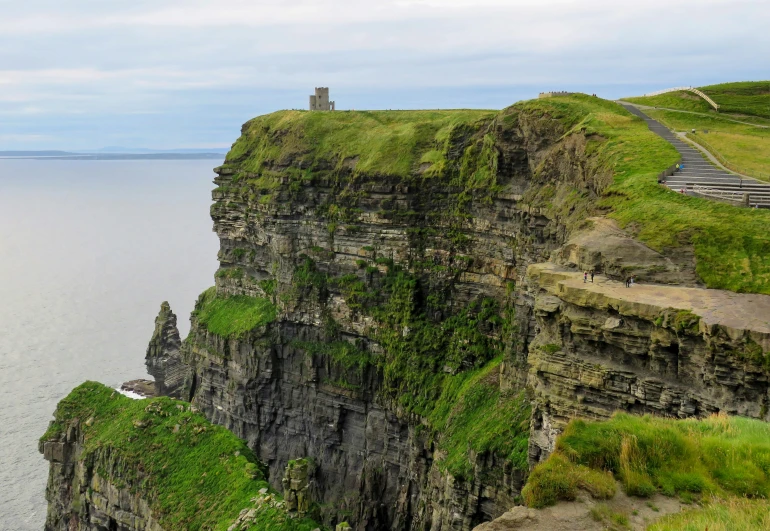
[{"x": 746, "y": 200}]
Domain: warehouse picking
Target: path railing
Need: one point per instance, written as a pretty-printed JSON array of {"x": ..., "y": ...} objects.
[{"x": 737, "y": 197}]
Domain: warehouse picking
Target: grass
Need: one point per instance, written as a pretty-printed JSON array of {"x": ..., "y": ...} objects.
[
  {"x": 194, "y": 475},
  {"x": 732, "y": 245},
  {"x": 720, "y": 455},
  {"x": 373, "y": 142},
  {"x": 746, "y": 99},
  {"x": 233, "y": 316},
  {"x": 474, "y": 414},
  {"x": 735, "y": 514}
]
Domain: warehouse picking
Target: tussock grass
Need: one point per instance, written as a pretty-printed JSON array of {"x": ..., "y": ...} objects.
[
  {"x": 719, "y": 455},
  {"x": 233, "y": 316},
  {"x": 735, "y": 514},
  {"x": 194, "y": 475}
]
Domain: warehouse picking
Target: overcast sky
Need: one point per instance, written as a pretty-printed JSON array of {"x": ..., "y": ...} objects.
[{"x": 82, "y": 74}]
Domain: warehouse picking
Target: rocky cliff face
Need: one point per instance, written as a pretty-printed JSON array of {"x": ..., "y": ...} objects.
[
  {"x": 673, "y": 351},
  {"x": 406, "y": 334},
  {"x": 330, "y": 250},
  {"x": 80, "y": 498}
]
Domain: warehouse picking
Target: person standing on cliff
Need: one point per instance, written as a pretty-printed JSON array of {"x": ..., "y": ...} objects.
[
  {"x": 585, "y": 277},
  {"x": 628, "y": 281},
  {"x": 592, "y": 276}
]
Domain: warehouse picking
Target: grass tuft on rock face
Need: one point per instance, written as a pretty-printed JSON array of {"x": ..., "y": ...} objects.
[
  {"x": 194, "y": 475},
  {"x": 233, "y": 316},
  {"x": 719, "y": 455}
]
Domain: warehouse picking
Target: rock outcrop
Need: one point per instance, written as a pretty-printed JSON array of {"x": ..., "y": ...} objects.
[
  {"x": 163, "y": 360},
  {"x": 80, "y": 498},
  {"x": 118, "y": 464}
]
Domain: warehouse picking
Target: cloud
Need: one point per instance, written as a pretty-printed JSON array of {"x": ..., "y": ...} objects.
[{"x": 197, "y": 68}]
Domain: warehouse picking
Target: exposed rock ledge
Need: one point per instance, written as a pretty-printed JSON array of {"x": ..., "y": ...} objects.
[{"x": 601, "y": 347}]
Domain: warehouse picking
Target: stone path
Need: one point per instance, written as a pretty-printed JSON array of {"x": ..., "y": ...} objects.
[
  {"x": 736, "y": 311},
  {"x": 699, "y": 171}
]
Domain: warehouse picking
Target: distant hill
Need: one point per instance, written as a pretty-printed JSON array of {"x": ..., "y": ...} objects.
[
  {"x": 128, "y": 155},
  {"x": 27, "y": 154},
  {"x": 135, "y": 151}
]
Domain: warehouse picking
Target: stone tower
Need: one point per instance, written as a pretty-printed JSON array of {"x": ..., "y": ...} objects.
[{"x": 320, "y": 100}]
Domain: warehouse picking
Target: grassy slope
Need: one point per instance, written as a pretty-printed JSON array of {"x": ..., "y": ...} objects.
[
  {"x": 749, "y": 98},
  {"x": 720, "y": 456},
  {"x": 732, "y": 245},
  {"x": 194, "y": 474}
]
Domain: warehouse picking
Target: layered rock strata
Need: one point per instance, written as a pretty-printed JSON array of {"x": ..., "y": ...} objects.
[
  {"x": 80, "y": 498},
  {"x": 363, "y": 266},
  {"x": 162, "y": 359},
  {"x": 673, "y": 351}
]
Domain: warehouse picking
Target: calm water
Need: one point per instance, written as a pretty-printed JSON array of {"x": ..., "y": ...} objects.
[{"x": 88, "y": 251}]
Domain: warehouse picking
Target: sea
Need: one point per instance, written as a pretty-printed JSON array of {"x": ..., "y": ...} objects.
[{"x": 88, "y": 252}]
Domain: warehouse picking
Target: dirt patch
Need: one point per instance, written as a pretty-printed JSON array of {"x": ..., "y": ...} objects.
[{"x": 621, "y": 513}]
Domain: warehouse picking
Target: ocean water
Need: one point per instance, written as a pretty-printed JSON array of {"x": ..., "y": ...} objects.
[{"x": 88, "y": 251}]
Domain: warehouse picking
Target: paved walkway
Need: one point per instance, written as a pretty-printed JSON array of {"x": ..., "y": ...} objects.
[{"x": 698, "y": 170}]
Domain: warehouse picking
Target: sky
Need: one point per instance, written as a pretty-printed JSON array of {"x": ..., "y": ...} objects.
[{"x": 84, "y": 74}]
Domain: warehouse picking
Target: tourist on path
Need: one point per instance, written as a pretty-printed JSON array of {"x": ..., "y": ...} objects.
[
  {"x": 585, "y": 277},
  {"x": 592, "y": 276}
]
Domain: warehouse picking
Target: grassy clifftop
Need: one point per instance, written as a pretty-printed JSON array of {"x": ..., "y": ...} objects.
[
  {"x": 464, "y": 150},
  {"x": 195, "y": 475},
  {"x": 374, "y": 142}
]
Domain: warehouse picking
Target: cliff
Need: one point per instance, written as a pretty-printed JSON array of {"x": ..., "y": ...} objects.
[
  {"x": 666, "y": 350},
  {"x": 373, "y": 312},
  {"x": 152, "y": 465}
]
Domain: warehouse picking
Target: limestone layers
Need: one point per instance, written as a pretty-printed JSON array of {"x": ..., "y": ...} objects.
[
  {"x": 601, "y": 347},
  {"x": 80, "y": 499},
  {"x": 318, "y": 238}
]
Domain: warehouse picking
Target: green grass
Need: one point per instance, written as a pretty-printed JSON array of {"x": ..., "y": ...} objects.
[
  {"x": 747, "y": 97},
  {"x": 726, "y": 456},
  {"x": 735, "y": 514},
  {"x": 233, "y": 316},
  {"x": 473, "y": 413},
  {"x": 744, "y": 99},
  {"x": 732, "y": 245},
  {"x": 380, "y": 142},
  {"x": 194, "y": 475}
]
